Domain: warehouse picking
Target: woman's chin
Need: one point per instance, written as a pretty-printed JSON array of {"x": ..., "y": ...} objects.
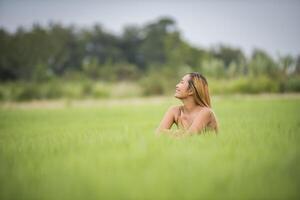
[{"x": 176, "y": 96}]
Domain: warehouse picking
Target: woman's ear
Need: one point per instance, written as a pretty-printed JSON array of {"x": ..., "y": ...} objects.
[{"x": 190, "y": 91}]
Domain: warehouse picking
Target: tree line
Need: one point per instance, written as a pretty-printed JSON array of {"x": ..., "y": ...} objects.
[{"x": 57, "y": 50}]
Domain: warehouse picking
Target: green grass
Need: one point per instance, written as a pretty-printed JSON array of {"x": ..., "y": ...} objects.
[{"x": 110, "y": 152}]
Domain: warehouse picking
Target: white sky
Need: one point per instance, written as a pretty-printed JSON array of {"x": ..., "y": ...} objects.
[{"x": 273, "y": 25}]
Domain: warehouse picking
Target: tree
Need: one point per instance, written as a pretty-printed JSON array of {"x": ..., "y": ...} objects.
[
  {"x": 297, "y": 70},
  {"x": 262, "y": 63},
  {"x": 286, "y": 64},
  {"x": 131, "y": 41},
  {"x": 233, "y": 58},
  {"x": 153, "y": 49},
  {"x": 6, "y": 51}
]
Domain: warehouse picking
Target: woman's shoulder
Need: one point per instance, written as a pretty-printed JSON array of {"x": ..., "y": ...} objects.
[
  {"x": 208, "y": 112},
  {"x": 176, "y": 112},
  {"x": 175, "y": 108},
  {"x": 212, "y": 116}
]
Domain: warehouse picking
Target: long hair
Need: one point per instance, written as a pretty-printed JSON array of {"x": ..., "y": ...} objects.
[{"x": 198, "y": 84}]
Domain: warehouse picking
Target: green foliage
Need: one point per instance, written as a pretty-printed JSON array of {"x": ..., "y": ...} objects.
[
  {"x": 57, "y": 89},
  {"x": 160, "y": 81},
  {"x": 255, "y": 85},
  {"x": 59, "y": 61},
  {"x": 229, "y": 55},
  {"x": 41, "y": 53},
  {"x": 292, "y": 84},
  {"x": 213, "y": 68},
  {"x": 262, "y": 64},
  {"x": 23, "y": 91},
  {"x": 250, "y": 85},
  {"x": 109, "y": 151},
  {"x": 155, "y": 82}
]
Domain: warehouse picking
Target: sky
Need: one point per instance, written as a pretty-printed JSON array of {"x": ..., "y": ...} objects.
[{"x": 271, "y": 25}]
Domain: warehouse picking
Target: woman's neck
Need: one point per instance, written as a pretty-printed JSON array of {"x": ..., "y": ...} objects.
[{"x": 189, "y": 105}]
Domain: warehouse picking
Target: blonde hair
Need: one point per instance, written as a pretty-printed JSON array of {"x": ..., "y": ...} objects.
[{"x": 198, "y": 84}]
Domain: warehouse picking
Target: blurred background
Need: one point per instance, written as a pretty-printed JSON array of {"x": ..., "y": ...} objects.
[{"x": 119, "y": 49}]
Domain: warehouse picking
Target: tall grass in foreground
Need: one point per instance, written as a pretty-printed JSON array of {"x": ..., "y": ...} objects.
[{"x": 110, "y": 152}]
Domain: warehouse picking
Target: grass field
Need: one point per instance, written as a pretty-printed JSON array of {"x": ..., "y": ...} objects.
[{"x": 108, "y": 150}]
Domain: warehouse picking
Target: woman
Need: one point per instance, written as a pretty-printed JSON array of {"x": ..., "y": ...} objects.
[{"x": 196, "y": 115}]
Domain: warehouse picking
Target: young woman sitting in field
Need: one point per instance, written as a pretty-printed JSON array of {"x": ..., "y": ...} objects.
[{"x": 196, "y": 115}]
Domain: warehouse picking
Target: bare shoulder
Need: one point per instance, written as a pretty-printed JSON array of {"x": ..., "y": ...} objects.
[
  {"x": 174, "y": 109},
  {"x": 207, "y": 112},
  {"x": 213, "y": 121}
]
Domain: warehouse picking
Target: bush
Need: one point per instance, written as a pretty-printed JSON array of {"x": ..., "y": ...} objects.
[
  {"x": 246, "y": 85},
  {"x": 125, "y": 89},
  {"x": 2, "y": 94},
  {"x": 28, "y": 92},
  {"x": 155, "y": 82},
  {"x": 152, "y": 85},
  {"x": 292, "y": 84},
  {"x": 160, "y": 81},
  {"x": 100, "y": 91},
  {"x": 255, "y": 85},
  {"x": 51, "y": 90}
]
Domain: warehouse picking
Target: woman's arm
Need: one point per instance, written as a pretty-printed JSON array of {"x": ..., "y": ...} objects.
[
  {"x": 198, "y": 125},
  {"x": 167, "y": 121},
  {"x": 200, "y": 121}
]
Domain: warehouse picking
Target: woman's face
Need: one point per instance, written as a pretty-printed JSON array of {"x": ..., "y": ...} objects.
[{"x": 182, "y": 91}]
